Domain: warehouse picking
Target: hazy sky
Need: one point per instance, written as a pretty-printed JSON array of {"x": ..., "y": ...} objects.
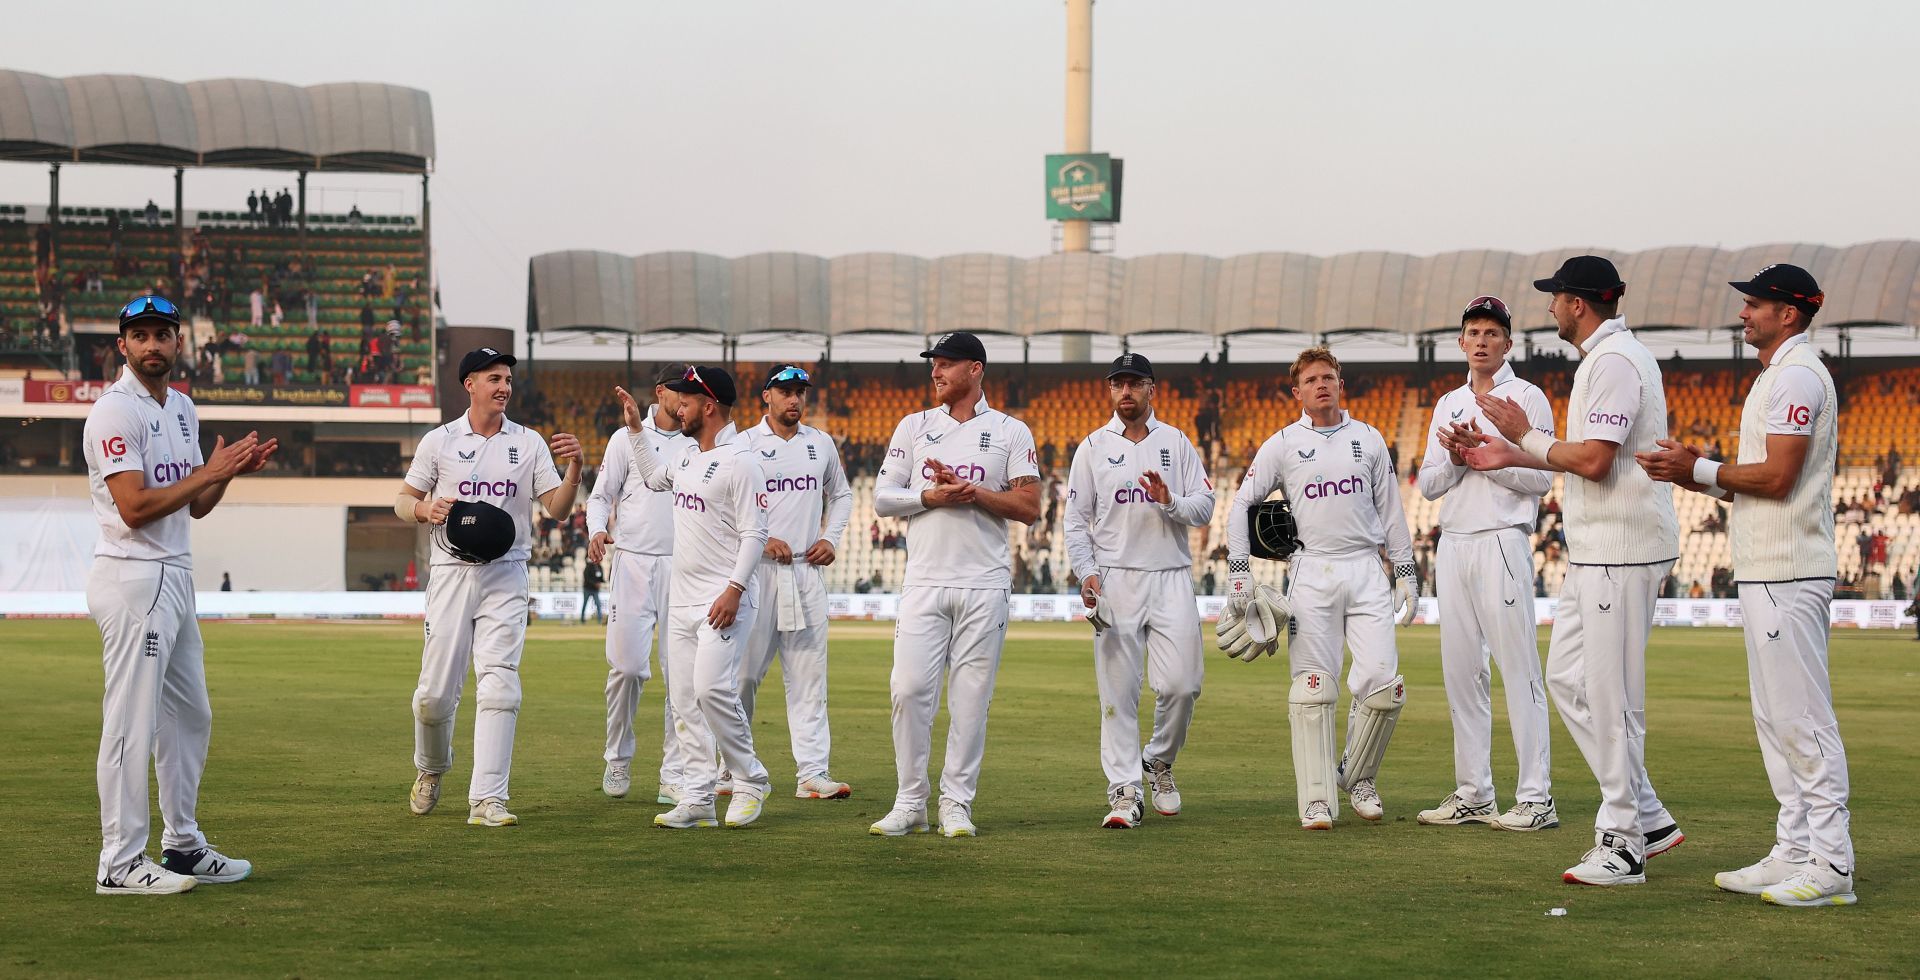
[{"x": 835, "y": 127}]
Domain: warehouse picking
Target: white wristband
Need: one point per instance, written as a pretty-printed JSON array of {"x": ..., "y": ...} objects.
[
  {"x": 1706, "y": 472},
  {"x": 1537, "y": 444}
]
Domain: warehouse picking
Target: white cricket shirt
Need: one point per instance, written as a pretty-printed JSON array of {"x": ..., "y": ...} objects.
[
  {"x": 128, "y": 430},
  {"x": 510, "y": 469},
  {"x": 1485, "y": 501},
  {"x": 642, "y": 519},
  {"x": 1344, "y": 495},
  {"x": 957, "y": 547},
  {"x": 1112, "y": 522},
  {"x": 1785, "y": 540},
  {"x": 803, "y": 481},
  {"x": 719, "y": 515},
  {"x": 1626, "y": 518}
]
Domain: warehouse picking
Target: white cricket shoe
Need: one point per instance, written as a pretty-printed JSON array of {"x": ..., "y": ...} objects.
[
  {"x": 1365, "y": 800},
  {"x": 1665, "y": 839},
  {"x": 821, "y": 787},
  {"x": 1454, "y": 811},
  {"x": 206, "y": 865},
  {"x": 615, "y": 782},
  {"x": 1125, "y": 811},
  {"x": 899, "y": 822},
  {"x": 1755, "y": 878},
  {"x": 1609, "y": 863},
  {"x": 668, "y": 794},
  {"x": 146, "y": 878},
  {"x": 956, "y": 819},
  {"x": 1528, "y": 816},
  {"x": 686, "y": 816},
  {"x": 491, "y": 812},
  {"x": 1319, "y": 816},
  {"x": 1816, "y": 883},
  {"x": 748, "y": 803},
  {"x": 1166, "y": 795},
  {"x": 425, "y": 795}
]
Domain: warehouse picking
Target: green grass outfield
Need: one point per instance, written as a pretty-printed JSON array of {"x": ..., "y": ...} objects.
[{"x": 311, "y": 763}]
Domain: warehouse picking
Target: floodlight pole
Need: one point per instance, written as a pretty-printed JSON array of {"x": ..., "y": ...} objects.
[{"x": 1075, "y": 235}]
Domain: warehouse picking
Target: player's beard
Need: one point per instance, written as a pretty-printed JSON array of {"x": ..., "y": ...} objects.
[
  {"x": 1131, "y": 413},
  {"x": 693, "y": 426},
  {"x": 147, "y": 368}
]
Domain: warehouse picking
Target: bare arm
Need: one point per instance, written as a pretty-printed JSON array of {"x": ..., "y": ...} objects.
[
  {"x": 140, "y": 506},
  {"x": 1020, "y": 501}
]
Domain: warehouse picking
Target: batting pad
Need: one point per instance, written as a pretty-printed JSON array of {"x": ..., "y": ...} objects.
[
  {"x": 1310, "y": 716},
  {"x": 1369, "y": 730}
]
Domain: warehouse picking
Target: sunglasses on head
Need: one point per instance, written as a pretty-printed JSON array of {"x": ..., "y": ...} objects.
[
  {"x": 1491, "y": 304},
  {"x": 144, "y": 305},
  {"x": 693, "y": 375},
  {"x": 789, "y": 375}
]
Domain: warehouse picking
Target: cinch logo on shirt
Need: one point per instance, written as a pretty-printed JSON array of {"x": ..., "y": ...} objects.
[
  {"x": 489, "y": 488},
  {"x": 788, "y": 483},
  {"x": 690, "y": 501},
  {"x": 1610, "y": 418},
  {"x": 1132, "y": 495},
  {"x": 1336, "y": 488},
  {"x": 969, "y": 472},
  {"x": 164, "y": 473}
]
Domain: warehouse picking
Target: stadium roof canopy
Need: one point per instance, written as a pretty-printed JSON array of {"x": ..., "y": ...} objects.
[
  {"x": 227, "y": 122},
  {"x": 1680, "y": 288}
]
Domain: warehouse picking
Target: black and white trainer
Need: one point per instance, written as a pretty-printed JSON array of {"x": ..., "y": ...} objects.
[
  {"x": 1611, "y": 862},
  {"x": 145, "y": 878},
  {"x": 206, "y": 865},
  {"x": 1665, "y": 839}
]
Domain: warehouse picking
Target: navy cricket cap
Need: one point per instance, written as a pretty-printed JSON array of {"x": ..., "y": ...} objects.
[
  {"x": 1133, "y": 364},
  {"x": 1586, "y": 276},
  {"x": 485, "y": 357},
  {"x": 1786, "y": 283},
  {"x": 710, "y": 380},
  {"x": 670, "y": 372},
  {"x": 478, "y": 532},
  {"x": 960, "y": 346}
]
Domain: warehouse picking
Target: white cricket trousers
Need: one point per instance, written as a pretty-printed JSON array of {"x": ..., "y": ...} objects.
[
  {"x": 958, "y": 634},
  {"x": 1156, "y": 630},
  {"x": 475, "y": 614},
  {"x": 705, "y": 682},
  {"x": 1597, "y": 671},
  {"x": 636, "y": 621},
  {"x": 155, "y": 706},
  {"x": 803, "y": 663},
  {"x": 1485, "y": 583},
  {"x": 1786, "y": 627},
  {"x": 1342, "y": 602}
]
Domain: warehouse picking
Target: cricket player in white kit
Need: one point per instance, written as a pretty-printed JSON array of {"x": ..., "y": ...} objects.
[
  {"x": 958, "y": 473},
  {"x": 149, "y": 480},
  {"x": 719, "y": 533},
  {"x": 1485, "y": 585},
  {"x": 634, "y": 525},
  {"x": 809, "y": 504},
  {"x": 477, "y": 612},
  {"x": 1784, "y": 562},
  {"x": 1622, "y": 539},
  {"x": 1337, "y": 475},
  {"x": 1136, "y": 487}
]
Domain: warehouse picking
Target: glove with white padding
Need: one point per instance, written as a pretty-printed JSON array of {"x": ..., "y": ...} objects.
[
  {"x": 1247, "y": 634},
  {"x": 1239, "y": 584},
  {"x": 1406, "y": 594},
  {"x": 1101, "y": 615},
  {"x": 1273, "y": 608}
]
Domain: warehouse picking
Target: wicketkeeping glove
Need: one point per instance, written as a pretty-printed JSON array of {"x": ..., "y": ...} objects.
[
  {"x": 1272, "y": 608},
  {"x": 1101, "y": 615},
  {"x": 1239, "y": 585},
  {"x": 1406, "y": 594},
  {"x": 1240, "y": 633}
]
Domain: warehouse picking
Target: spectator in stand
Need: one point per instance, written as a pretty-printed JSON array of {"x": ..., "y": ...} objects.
[
  {"x": 367, "y": 288},
  {"x": 257, "y": 303},
  {"x": 253, "y": 206},
  {"x": 591, "y": 578},
  {"x": 315, "y": 342},
  {"x": 366, "y": 319},
  {"x": 282, "y": 366},
  {"x": 250, "y": 359},
  {"x": 1696, "y": 592},
  {"x": 153, "y": 214},
  {"x": 353, "y": 216},
  {"x": 226, "y": 582}
]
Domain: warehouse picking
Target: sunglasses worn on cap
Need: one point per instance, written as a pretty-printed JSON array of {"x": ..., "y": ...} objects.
[
  {"x": 1491, "y": 304},
  {"x": 143, "y": 305},
  {"x": 790, "y": 376},
  {"x": 693, "y": 375}
]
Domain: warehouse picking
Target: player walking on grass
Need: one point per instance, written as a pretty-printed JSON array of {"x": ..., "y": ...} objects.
[
  {"x": 1135, "y": 489},
  {"x": 958, "y": 473},
  {"x": 1485, "y": 584},
  {"x": 719, "y": 533},
  {"x": 1337, "y": 475},
  {"x": 1785, "y": 562},
  {"x": 635, "y": 525},
  {"x": 463, "y": 472},
  {"x": 149, "y": 479},
  {"x": 1622, "y": 539},
  {"x": 809, "y": 503}
]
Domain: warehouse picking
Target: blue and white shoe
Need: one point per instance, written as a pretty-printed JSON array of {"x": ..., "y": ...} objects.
[{"x": 206, "y": 865}]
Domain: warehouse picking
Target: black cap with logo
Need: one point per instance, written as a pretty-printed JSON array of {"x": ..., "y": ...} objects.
[
  {"x": 1587, "y": 276},
  {"x": 478, "y": 532},
  {"x": 710, "y": 380},
  {"x": 483, "y": 358},
  {"x": 670, "y": 372},
  {"x": 1786, "y": 283},
  {"x": 1131, "y": 364},
  {"x": 960, "y": 346},
  {"x": 782, "y": 375}
]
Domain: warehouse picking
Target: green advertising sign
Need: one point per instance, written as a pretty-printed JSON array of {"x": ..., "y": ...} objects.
[{"x": 1082, "y": 187}]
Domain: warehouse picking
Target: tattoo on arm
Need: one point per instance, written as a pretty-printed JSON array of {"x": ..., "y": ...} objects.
[{"x": 1021, "y": 481}]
